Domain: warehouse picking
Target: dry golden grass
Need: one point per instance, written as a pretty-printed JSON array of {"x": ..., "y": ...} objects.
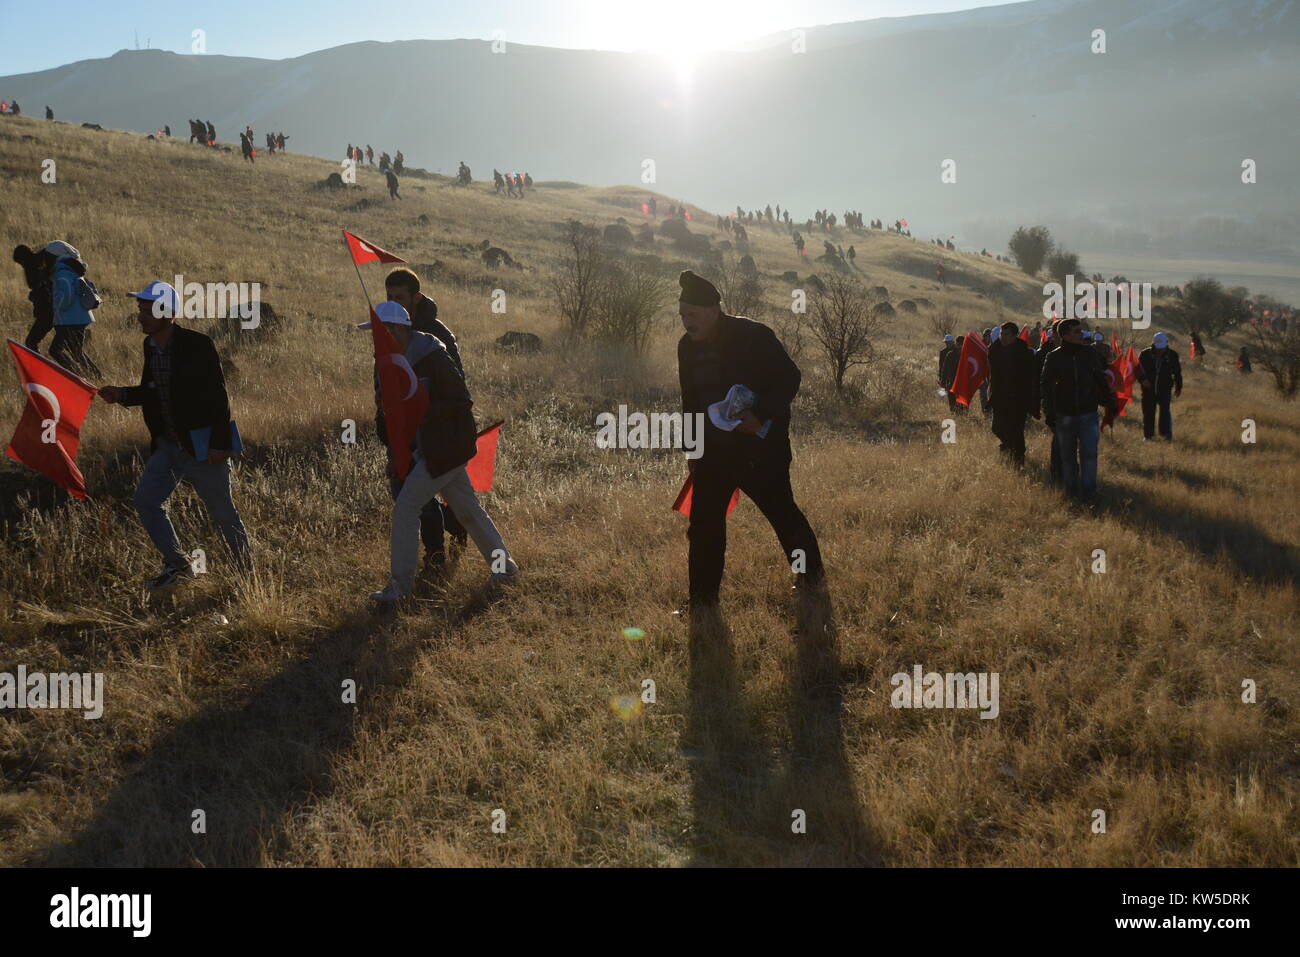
[{"x": 1119, "y": 691}]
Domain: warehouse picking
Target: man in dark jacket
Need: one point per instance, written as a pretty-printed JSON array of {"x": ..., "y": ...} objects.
[
  {"x": 402, "y": 286},
  {"x": 1040, "y": 357},
  {"x": 1013, "y": 390},
  {"x": 1073, "y": 385},
  {"x": 1159, "y": 374},
  {"x": 948, "y": 357},
  {"x": 36, "y": 270},
  {"x": 182, "y": 393},
  {"x": 717, "y": 352},
  {"x": 445, "y": 441}
]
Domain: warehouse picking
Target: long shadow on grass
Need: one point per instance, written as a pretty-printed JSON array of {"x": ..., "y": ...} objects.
[
  {"x": 744, "y": 813},
  {"x": 246, "y": 765},
  {"x": 1249, "y": 548}
]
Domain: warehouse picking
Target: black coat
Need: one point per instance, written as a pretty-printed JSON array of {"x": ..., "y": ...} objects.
[
  {"x": 948, "y": 365},
  {"x": 1160, "y": 370},
  {"x": 198, "y": 392},
  {"x": 1013, "y": 387},
  {"x": 747, "y": 353},
  {"x": 1073, "y": 382}
]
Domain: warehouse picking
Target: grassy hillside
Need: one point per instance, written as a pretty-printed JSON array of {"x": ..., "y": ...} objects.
[{"x": 1119, "y": 691}]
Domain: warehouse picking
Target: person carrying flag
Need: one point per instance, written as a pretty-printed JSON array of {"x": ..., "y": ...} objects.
[
  {"x": 182, "y": 393},
  {"x": 444, "y": 441},
  {"x": 948, "y": 369},
  {"x": 1013, "y": 392},
  {"x": 717, "y": 352},
  {"x": 403, "y": 287}
]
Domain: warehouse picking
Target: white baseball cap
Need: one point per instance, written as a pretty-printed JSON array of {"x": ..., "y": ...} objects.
[
  {"x": 949, "y": 338},
  {"x": 59, "y": 249},
  {"x": 1160, "y": 340},
  {"x": 159, "y": 291},
  {"x": 389, "y": 312},
  {"x": 1098, "y": 337}
]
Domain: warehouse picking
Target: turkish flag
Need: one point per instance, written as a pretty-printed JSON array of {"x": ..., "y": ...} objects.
[
  {"x": 683, "y": 503},
  {"x": 402, "y": 395},
  {"x": 972, "y": 368},
  {"x": 1024, "y": 335},
  {"x": 483, "y": 465},
  {"x": 903, "y": 222},
  {"x": 364, "y": 252},
  {"x": 1114, "y": 343},
  {"x": 1042, "y": 337},
  {"x": 1120, "y": 374},
  {"x": 54, "y": 395}
]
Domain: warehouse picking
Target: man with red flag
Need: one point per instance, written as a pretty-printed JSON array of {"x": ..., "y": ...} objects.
[
  {"x": 430, "y": 425},
  {"x": 1013, "y": 391},
  {"x": 49, "y": 431},
  {"x": 182, "y": 393},
  {"x": 403, "y": 287},
  {"x": 972, "y": 368},
  {"x": 717, "y": 352}
]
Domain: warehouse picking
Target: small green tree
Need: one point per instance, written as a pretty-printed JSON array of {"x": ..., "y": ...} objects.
[
  {"x": 1208, "y": 310},
  {"x": 1061, "y": 263},
  {"x": 1030, "y": 248}
]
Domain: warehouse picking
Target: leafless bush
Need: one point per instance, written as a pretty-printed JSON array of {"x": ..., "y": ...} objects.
[
  {"x": 1277, "y": 352},
  {"x": 843, "y": 323},
  {"x": 577, "y": 281},
  {"x": 630, "y": 297}
]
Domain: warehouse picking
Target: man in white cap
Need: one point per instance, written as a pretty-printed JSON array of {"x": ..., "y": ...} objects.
[
  {"x": 1159, "y": 374},
  {"x": 444, "y": 442},
  {"x": 182, "y": 393}
]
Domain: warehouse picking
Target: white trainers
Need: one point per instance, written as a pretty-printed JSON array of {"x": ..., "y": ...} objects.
[{"x": 391, "y": 594}]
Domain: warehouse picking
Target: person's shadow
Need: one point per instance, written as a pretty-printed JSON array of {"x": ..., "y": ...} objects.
[
  {"x": 248, "y": 765},
  {"x": 744, "y": 814}
]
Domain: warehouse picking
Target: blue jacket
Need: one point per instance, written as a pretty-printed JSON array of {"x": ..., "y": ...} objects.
[{"x": 65, "y": 280}]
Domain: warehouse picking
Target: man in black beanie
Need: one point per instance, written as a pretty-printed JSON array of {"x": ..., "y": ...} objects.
[{"x": 717, "y": 352}]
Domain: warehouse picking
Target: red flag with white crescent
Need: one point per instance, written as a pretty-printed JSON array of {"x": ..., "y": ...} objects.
[
  {"x": 49, "y": 431},
  {"x": 402, "y": 395},
  {"x": 972, "y": 368},
  {"x": 366, "y": 252}
]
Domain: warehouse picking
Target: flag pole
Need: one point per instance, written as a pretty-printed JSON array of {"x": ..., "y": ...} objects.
[{"x": 358, "y": 270}]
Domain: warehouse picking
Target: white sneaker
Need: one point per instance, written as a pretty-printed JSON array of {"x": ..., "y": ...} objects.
[{"x": 391, "y": 594}]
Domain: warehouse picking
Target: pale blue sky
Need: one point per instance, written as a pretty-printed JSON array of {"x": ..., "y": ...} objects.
[{"x": 38, "y": 36}]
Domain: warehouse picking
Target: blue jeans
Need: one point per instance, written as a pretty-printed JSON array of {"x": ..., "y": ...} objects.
[
  {"x": 1077, "y": 437},
  {"x": 166, "y": 467}
]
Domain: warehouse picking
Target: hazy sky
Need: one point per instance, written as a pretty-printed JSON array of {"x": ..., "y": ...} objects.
[{"x": 38, "y": 36}]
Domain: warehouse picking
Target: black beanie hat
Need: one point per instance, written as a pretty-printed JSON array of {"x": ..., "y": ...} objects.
[{"x": 697, "y": 291}]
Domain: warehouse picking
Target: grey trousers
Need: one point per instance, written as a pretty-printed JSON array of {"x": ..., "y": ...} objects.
[
  {"x": 162, "y": 473},
  {"x": 418, "y": 489}
]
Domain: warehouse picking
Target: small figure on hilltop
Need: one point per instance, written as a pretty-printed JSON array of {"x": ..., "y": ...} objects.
[
  {"x": 246, "y": 146},
  {"x": 528, "y": 180},
  {"x": 519, "y": 184},
  {"x": 167, "y": 130},
  {"x": 212, "y": 134},
  {"x": 279, "y": 141},
  {"x": 49, "y": 113},
  {"x": 940, "y": 273},
  {"x": 463, "y": 176},
  {"x": 398, "y": 162},
  {"x": 498, "y": 181},
  {"x": 392, "y": 184},
  {"x": 370, "y": 155}
]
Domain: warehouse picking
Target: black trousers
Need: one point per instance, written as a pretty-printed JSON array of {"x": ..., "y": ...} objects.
[
  {"x": 1009, "y": 427},
  {"x": 41, "y": 327},
  {"x": 765, "y": 479},
  {"x": 68, "y": 349},
  {"x": 1150, "y": 402}
]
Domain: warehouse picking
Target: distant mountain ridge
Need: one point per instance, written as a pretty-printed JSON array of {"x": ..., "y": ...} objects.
[{"x": 1137, "y": 150}]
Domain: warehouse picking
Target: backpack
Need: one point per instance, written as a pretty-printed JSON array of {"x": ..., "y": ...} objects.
[{"x": 88, "y": 294}]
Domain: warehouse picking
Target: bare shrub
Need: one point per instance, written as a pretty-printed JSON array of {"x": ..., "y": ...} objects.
[{"x": 843, "y": 323}]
